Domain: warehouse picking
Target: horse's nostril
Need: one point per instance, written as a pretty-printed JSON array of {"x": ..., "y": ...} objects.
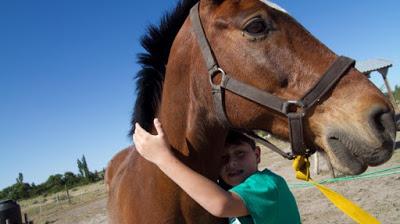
[
  {"x": 388, "y": 122},
  {"x": 376, "y": 117},
  {"x": 382, "y": 120}
]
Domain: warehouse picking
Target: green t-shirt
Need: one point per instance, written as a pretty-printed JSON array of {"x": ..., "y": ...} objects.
[{"x": 268, "y": 200}]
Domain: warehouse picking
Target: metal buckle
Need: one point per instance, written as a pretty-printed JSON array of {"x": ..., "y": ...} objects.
[
  {"x": 214, "y": 73},
  {"x": 307, "y": 153},
  {"x": 287, "y": 104},
  {"x": 290, "y": 156}
]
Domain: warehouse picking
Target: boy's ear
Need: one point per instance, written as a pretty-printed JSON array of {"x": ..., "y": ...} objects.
[{"x": 257, "y": 150}]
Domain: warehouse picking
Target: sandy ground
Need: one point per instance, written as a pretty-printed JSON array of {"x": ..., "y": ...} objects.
[
  {"x": 91, "y": 213},
  {"x": 86, "y": 205},
  {"x": 379, "y": 196}
]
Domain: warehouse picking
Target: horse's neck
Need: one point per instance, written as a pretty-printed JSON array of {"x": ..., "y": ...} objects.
[
  {"x": 205, "y": 140},
  {"x": 185, "y": 112},
  {"x": 197, "y": 140}
]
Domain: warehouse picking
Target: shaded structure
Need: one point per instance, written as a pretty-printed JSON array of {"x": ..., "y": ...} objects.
[{"x": 381, "y": 66}]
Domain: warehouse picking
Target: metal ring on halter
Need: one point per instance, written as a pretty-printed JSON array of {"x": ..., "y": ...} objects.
[
  {"x": 286, "y": 105},
  {"x": 214, "y": 73}
]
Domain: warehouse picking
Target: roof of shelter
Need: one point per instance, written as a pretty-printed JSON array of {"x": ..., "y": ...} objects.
[{"x": 371, "y": 65}]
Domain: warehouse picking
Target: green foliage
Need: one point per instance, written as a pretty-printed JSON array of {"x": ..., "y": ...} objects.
[
  {"x": 20, "y": 178},
  {"x": 55, "y": 183},
  {"x": 80, "y": 168},
  {"x": 396, "y": 94},
  {"x": 70, "y": 179},
  {"x": 84, "y": 169},
  {"x": 20, "y": 190},
  {"x": 16, "y": 191}
]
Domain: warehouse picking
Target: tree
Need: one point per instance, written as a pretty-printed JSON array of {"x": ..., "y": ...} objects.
[
  {"x": 80, "y": 168},
  {"x": 20, "y": 178},
  {"x": 2, "y": 195},
  {"x": 20, "y": 191},
  {"x": 85, "y": 167},
  {"x": 396, "y": 93},
  {"x": 55, "y": 183},
  {"x": 70, "y": 179},
  {"x": 84, "y": 170}
]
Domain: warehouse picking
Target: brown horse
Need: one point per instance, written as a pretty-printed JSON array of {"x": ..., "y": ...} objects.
[{"x": 259, "y": 45}]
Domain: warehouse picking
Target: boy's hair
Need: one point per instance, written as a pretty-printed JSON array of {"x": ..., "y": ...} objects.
[{"x": 237, "y": 138}]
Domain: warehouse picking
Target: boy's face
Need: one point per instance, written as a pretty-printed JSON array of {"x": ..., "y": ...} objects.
[{"x": 239, "y": 162}]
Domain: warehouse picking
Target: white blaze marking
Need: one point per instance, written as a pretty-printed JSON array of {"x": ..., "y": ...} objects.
[{"x": 274, "y": 5}]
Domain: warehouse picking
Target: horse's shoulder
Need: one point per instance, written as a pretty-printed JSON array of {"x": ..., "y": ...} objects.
[{"x": 116, "y": 162}]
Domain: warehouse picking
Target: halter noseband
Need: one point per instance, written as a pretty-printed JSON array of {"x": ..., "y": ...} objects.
[{"x": 294, "y": 110}]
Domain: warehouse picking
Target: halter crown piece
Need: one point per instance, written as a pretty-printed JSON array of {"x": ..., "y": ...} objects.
[{"x": 294, "y": 110}]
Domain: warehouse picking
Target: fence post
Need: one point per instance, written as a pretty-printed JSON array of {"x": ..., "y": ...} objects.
[
  {"x": 66, "y": 189},
  {"x": 316, "y": 163}
]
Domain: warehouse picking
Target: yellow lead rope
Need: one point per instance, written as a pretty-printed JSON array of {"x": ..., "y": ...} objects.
[{"x": 301, "y": 165}]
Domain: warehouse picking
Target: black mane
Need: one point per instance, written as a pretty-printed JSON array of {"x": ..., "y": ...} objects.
[{"x": 149, "y": 80}]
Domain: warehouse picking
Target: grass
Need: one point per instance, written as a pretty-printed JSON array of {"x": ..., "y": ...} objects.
[{"x": 45, "y": 209}]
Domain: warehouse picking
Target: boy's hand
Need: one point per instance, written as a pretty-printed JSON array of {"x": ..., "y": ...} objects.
[{"x": 154, "y": 148}]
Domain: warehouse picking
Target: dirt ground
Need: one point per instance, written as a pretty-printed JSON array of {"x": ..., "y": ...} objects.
[
  {"x": 86, "y": 205},
  {"x": 377, "y": 195},
  {"x": 90, "y": 213}
]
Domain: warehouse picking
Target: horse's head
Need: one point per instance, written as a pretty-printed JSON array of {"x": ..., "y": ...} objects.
[{"x": 263, "y": 46}]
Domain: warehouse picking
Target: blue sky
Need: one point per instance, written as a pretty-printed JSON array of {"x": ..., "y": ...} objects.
[{"x": 67, "y": 68}]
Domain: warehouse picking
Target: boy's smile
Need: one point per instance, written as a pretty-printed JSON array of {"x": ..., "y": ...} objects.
[
  {"x": 233, "y": 174},
  {"x": 238, "y": 163}
]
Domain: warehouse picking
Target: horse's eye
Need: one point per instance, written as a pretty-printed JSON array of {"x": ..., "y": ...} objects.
[{"x": 256, "y": 26}]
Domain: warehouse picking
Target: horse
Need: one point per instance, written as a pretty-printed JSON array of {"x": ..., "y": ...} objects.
[{"x": 261, "y": 47}]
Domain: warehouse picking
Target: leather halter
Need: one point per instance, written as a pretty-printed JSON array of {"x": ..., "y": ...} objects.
[{"x": 294, "y": 110}]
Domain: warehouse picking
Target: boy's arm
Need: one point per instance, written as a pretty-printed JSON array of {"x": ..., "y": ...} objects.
[{"x": 208, "y": 194}]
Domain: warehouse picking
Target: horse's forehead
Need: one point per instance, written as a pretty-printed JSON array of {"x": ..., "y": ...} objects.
[{"x": 274, "y": 5}]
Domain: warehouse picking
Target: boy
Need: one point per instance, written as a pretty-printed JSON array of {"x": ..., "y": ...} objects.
[{"x": 256, "y": 197}]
